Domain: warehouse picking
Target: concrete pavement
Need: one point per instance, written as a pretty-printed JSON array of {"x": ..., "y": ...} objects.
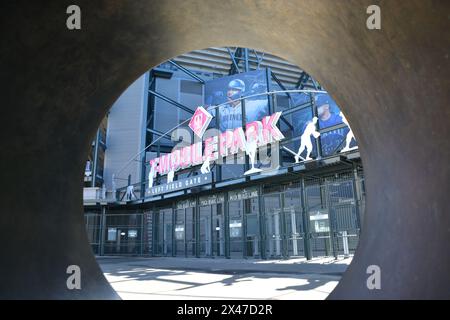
[{"x": 192, "y": 278}]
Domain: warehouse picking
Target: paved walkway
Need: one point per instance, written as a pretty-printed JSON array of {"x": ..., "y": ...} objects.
[{"x": 192, "y": 278}]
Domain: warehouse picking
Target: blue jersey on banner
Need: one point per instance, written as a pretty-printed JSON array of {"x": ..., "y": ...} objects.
[
  {"x": 230, "y": 117},
  {"x": 332, "y": 140},
  {"x": 230, "y": 90},
  {"x": 333, "y": 120}
]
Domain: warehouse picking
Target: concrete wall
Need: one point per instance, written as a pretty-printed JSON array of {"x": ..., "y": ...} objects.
[{"x": 126, "y": 133}]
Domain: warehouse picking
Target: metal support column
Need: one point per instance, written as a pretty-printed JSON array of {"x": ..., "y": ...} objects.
[
  {"x": 197, "y": 228},
  {"x": 155, "y": 223},
  {"x": 187, "y": 71},
  {"x": 284, "y": 231},
  {"x": 246, "y": 159},
  {"x": 170, "y": 101},
  {"x": 246, "y": 66},
  {"x": 95, "y": 162},
  {"x": 318, "y": 143},
  {"x": 271, "y": 98},
  {"x": 174, "y": 221},
  {"x": 211, "y": 230},
  {"x": 226, "y": 219},
  {"x": 244, "y": 227},
  {"x": 101, "y": 250},
  {"x": 234, "y": 65},
  {"x": 281, "y": 86},
  {"x": 332, "y": 223},
  {"x": 303, "y": 77},
  {"x": 357, "y": 197},
  {"x": 143, "y": 176},
  {"x": 306, "y": 225},
  {"x": 142, "y": 234},
  {"x": 262, "y": 220},
  {"x": 185, "y": 226}
]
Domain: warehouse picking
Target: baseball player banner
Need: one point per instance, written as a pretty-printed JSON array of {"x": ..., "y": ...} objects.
[
  {"x": 228, "y": 89},
  {"x": 327, "y": 111},
  {"x": 330, "y": 115}
]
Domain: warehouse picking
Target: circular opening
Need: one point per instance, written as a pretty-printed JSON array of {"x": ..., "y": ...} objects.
[{"x": 232, "y": 155}]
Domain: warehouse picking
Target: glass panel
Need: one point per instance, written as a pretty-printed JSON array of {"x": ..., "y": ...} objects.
[
  {"x": 123, "y": 234},
  {"x": 294, "y": 222},
  {"x": 180, "y": 233},
  {"x": 272, "y": 205},
  {"x": 190, "y": 232},
  {"x": 236, "y": 210},
  {"x": 253, "y": 237},
  {"x": 164, "y": 229},
  {"x": 233, "y": 166},
  {"x": 93, "y": 226},
  {"x": 299, "y": 121},
  {"x": 159, "y": 233},
  {"x": 166, "y": 115},
  {"x": 344, "y": 214},
  {"x": 218, "y": 230},
  {"x": 300, "y": 99},
  {"x": 205, "y": 231},
  {"x": 316, "y": 196}
]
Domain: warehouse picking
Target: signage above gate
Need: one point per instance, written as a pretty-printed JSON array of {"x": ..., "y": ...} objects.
[
  {"x": 212, "y": 199},
  {"x": 242, "y": 194},
  {"x": 181, "y": 184}
]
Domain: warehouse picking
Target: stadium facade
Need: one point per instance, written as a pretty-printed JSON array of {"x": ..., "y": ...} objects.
[{"x": 160, "y": 183}]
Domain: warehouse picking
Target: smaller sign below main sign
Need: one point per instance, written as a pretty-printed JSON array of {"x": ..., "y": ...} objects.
[
  {"x": 181, "y": 184},
  {"x": 132, "y": 233},
  {"x": 242, "y": 194},
  {"x": 212, "y": 199},
  {"x": 184, "y": 204},
  {"x": 112, "y": 234}
]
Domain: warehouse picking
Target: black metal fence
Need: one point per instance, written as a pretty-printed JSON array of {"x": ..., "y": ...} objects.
[{"x": 310, "y": 217}]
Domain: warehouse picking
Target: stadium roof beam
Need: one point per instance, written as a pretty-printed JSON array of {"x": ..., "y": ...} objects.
[
  {"x": 159, "y": 133},
  {"x": 281, "y": 86},
  {"x": 300, "y": 80},
  {"x": 291, "y": 127},
  {"x": 316, "y": 85},
  {"x": 303, "y": 78},
  {"x": 234, "y": 66},
  {"x": 172, "y": 102},
  {"x": 246, "y": 66},
  {"x": 258, "y": 58},
  {"x": 187, "y": 71}
]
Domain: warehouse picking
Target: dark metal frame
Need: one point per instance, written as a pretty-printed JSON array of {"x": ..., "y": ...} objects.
[{"x": 187, "y": 71}]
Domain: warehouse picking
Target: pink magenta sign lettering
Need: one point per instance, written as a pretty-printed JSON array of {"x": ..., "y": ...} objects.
[{"x": 225, "y": 144}]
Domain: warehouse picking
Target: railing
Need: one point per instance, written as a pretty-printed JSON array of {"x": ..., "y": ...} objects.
[
  {"x": 96, "y": 194},
  {"x": 130, "y": 193}
]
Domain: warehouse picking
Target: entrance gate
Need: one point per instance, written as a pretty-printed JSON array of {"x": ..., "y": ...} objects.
[
  {"x": 319, "y": 219},
  {"x": 334, "y": 217},
  {"x": 284, "y": 223}
]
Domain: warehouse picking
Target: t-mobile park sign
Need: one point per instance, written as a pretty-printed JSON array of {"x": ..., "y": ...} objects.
[{"x": 257, "y": 134}]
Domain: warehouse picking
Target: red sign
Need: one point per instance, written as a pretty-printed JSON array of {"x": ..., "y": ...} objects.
[
  {"x": 200, "y": 121},
  {"x": 226, "y": 143}
]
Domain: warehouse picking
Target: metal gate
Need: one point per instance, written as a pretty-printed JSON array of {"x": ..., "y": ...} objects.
[{"x": 333, "y": 214}]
